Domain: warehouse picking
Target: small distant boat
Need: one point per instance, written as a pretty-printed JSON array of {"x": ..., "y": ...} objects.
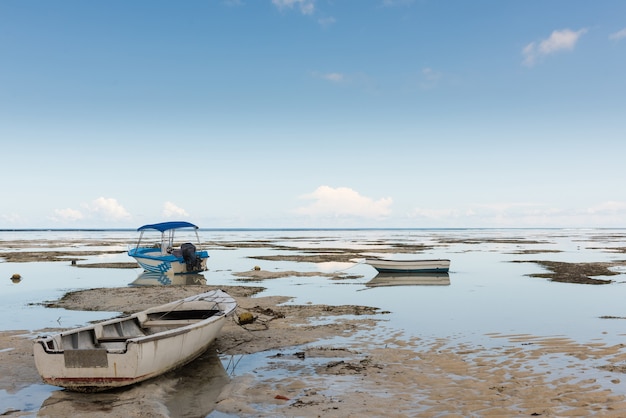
[
  {"x": 409, "y": 279},
  {"x": 128, "y": 350},
  {"x": 383, "y": 265},
  {"x": 161, "y": 254}
]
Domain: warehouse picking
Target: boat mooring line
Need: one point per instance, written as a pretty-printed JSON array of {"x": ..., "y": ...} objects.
[{"x": 348, "y": 268}]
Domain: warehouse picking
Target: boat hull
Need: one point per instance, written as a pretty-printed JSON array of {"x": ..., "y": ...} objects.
[
  {"x": 152, "y": 260},
  {"x": 124, "y": 351},
  {"x": 409, "y": 266}
]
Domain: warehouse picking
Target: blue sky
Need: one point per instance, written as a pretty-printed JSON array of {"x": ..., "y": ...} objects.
[{"x": 313, "y": 113}]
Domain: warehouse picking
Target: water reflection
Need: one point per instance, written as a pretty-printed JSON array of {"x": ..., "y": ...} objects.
[
  {"x": 409, "y": 279},
  {"x": 158, "y": 279},
  {"x": 190, "y": 391},
  {"x": 24, "y": 400},
  {"x": 198, "y": 387}
]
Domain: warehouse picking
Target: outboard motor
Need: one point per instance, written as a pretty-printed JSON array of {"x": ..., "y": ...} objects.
[{"x": 189, "y": 255}]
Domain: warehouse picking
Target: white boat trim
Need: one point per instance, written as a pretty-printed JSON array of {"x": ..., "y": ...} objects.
[{"x": 383, "y": 265}]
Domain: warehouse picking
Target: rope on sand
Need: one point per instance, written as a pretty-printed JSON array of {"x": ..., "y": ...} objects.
[{"x": 348, "y": 268}]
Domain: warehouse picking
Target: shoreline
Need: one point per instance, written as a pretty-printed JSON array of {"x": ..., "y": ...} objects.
[
  {"x": 334, "y": 360},
  {"x": 309, "y": 375}
]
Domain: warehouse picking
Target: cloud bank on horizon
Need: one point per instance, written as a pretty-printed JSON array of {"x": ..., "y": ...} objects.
[{"x": 328, "y": 204}]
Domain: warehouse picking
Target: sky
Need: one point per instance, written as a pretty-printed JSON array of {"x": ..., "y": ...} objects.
[{"x": 313, "y": 113}]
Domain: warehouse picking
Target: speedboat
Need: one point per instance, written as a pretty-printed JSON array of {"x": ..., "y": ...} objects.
[{"x": 158, "y": 252}]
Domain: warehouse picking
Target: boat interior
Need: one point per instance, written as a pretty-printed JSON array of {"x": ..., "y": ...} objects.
[{"x": 113, "y": 335}]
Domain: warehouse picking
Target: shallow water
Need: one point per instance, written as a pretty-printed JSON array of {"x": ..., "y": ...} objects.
[{"x": 487, "y": 292}]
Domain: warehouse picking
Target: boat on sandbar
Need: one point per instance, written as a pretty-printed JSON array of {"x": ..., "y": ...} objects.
[
  {"x": 383, "y": 265},
  {"x": 127, "y": 350},
  {"x": 158, "y": 252}
]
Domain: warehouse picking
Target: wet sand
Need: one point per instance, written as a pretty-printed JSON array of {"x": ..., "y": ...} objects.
[
  {"x": 370, "y": 373},
  {"x": 368, "y": 377}
]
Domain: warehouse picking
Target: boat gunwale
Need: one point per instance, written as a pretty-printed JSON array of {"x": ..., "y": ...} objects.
[
  {"x": 228, "y": 301},
  {"x": 420, "y": 260},
  {"x": 144, "y": 252},
  {"x": 383, "y": 265}
]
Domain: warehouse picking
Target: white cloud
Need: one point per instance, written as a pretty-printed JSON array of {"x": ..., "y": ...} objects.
[
  {"x": 559, "y": 40},
  {"x": 68, "y": 214},
  {"x": 609, "y": 207},
  {"x": 326, "y": 21},
  {"x": 334, "y": 77},
  {"x": 496, "y": 214},
  {"x": 170, "y": 210},
  {"x": 430, "y": 78},
  {"x": 487, "y": 215},
  {"x": 529, "y": 54},
  {"x": 618, "y": 35},
  {"x": 435, "y": 214},
  {"x": 356, "y": 80},
  {"x": 11, "y": 218},
  {"x": 344, "y": 202},
  {"x": 107, "y": 208},
  {"x": 522, "y": 215},
  {"x": 306, "y": 7}
]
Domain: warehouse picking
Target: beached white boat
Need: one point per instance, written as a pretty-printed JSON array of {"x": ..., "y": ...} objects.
[
  {"x": 409, "y": 279},
  {"x": 124, "y": 351},
  {"x": 157, "y": 251},
  {"x": 383, "y": 265}
]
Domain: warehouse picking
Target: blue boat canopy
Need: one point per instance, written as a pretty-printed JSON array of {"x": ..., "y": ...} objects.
[{"x": 166, "y": 226}]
